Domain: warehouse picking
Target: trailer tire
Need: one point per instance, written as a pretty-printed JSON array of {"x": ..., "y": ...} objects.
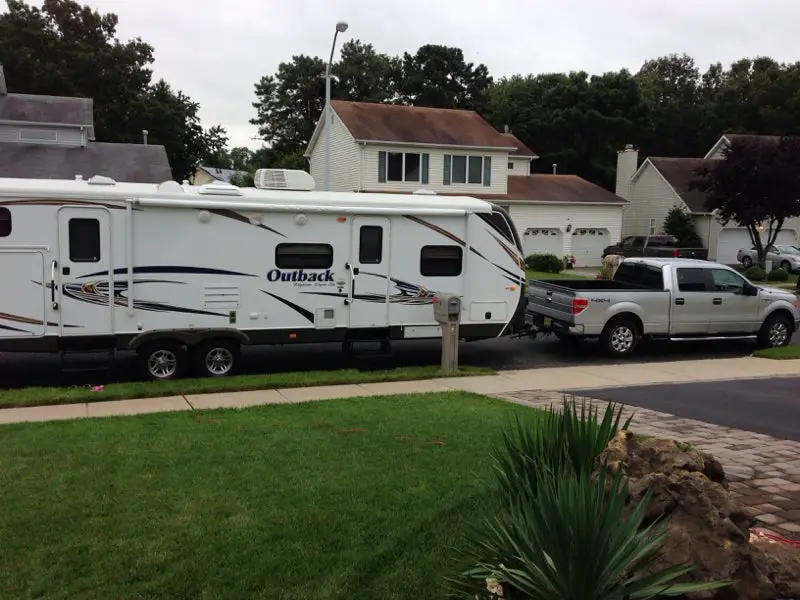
[
  {"x": 620, "y": 337},
  {"x": 163, "y": 360},
  {"x": 217, "y": 358},
  {"x": 776, "y": 331}
]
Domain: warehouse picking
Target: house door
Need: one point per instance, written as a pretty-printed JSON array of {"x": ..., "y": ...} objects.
[
  {"x": 84, "y": 271},
  {"x": 369, "y": 272}
]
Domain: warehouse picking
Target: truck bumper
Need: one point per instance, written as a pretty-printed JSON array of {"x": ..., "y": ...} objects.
[{"x": 541, "y": 324}]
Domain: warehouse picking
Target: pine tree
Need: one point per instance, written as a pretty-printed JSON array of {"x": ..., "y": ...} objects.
[{"x": 681, "y": 225}]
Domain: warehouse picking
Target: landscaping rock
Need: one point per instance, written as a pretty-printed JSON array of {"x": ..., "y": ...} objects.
[{"x": 704, "y": 525}]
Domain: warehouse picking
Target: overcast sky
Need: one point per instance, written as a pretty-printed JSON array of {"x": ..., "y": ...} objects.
[{"x": 215, "y": 50}]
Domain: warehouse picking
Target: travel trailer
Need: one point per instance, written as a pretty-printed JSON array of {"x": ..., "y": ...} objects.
[{"x": 186, "y": 275}]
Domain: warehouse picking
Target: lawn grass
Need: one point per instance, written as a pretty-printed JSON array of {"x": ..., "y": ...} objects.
[
  {"x": 782, "y": 353},
  {"x": 44, "y": 396},
  {"x": 563, "y": 275},
  {"x": 359, "y": 498}
]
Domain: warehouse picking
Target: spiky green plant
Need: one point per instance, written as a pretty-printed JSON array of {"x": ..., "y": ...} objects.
[{"x": 579, "y": 540}]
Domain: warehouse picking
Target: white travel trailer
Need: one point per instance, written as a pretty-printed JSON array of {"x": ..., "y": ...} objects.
[{"x": 186, "y": 275}]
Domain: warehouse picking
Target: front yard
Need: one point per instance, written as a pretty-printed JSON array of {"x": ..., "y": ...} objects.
[{"x": 358, "y": 498}]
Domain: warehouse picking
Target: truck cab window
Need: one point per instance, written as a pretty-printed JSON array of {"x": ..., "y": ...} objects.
[
  {"x": 84, "y": 240},
  {"x": 5, "y": 222},
  {"x": 693, "y": 280},
  {"x": 726, "y": 281}
]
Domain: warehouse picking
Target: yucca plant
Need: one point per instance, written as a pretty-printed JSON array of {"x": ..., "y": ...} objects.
[
  {"x": 579, "y": 540},
  {"x": 555, "y": 439}
]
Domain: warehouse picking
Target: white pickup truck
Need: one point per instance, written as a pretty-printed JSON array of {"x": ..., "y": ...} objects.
[{"x": 674, "y": 299}]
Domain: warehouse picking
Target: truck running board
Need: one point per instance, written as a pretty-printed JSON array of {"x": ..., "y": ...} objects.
[{"x": 714, "y": 338}]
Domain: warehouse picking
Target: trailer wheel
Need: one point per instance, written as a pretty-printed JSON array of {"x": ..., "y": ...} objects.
[
  {"x": 163, "y": 360},
  {"x": 217, "y": 358},
  {"x": 620, "y": 337}
]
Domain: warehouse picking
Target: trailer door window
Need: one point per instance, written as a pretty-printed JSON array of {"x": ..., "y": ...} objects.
[
  {"x": 441, "y": 261},
  {"x": 5, "y": 222},
  {"x": 84, "y": 240},
  {"x": 370, "y": 245},
  {"x": 303, "y": 256}
]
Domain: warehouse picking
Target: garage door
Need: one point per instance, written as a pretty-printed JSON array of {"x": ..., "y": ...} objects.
[
  {"x": 730, "y": 240},
  {"x": 588, "y": 246},
  {"x": 542, "y": 240}
]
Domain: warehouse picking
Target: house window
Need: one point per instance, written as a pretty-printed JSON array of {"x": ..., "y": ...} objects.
[
  {"x": 303, "y": 256},
  {"x": 5, "y": 222},
  {"x": 403, "y": 166},
  {"x": 441, "y": 261},
  {"x": 510, "y": 166},
  {"x": 467, "y": 169},
  {"x": 370, "y": 245},
  {"x": 652, "y": 226},
  {"x": 84, "y": 240}
]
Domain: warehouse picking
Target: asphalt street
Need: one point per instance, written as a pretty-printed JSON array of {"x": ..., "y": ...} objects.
[
  {"x": 19, "y": 370},
  {"x": 769, "y": 406}
]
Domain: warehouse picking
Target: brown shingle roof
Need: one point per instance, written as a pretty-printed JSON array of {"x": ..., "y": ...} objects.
[
  {"x": 134, "y": 163},
  {"x": 521, "y": 149},
  {"x": 372, "y": 122},
  {"x": 679, "y": 172}
]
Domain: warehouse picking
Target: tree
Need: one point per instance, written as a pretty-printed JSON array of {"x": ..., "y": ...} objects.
[
  {"x": 65, "y": 49},
  {"x": 439, "y": 77},
  {"x": 681, "y": 225},
  {"x": 756, "y": 184},
  {"x": 364, "y": 75},
  {"x": 217, "y": 155}
]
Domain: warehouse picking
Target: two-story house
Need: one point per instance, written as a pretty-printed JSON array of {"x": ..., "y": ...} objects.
[
  {"x": 52, "y": 137},
  {"x": 402, "y": 149},
  {"x": 660, "y": 183}
]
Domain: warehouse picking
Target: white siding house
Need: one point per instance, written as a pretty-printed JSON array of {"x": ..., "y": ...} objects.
[
  {"x": 403, "y": 149},
  {"x": 659, "y": 183}
]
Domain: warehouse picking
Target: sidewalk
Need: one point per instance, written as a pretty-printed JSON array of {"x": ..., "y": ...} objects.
[{"x": 506, "y": 382}]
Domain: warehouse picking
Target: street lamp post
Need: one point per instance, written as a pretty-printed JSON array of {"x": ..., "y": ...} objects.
[{"x": 341, "y": 27}]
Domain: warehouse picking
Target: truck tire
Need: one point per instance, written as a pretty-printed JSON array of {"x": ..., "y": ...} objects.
[
  {"x": 216, "y": 358},
  {"x": 747, "y": 262},
  {"x": 775, "y": 332},
  {"x": 620, "y": 337},
  {"x": 164, "y": 360}
]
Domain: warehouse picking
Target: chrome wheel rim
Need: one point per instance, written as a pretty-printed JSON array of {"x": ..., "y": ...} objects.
[
  {"x": 622, "y": 339},
  {"x": 747, "y": 262},
  {"x": 778, "y": 333},
  {"x": 162, "y": 364},
  {"x": 219, "y": 361}
]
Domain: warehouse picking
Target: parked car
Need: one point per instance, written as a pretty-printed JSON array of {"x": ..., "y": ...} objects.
[
  {"x": 654, "y": 245},
  {"x": 785, "y": 257},
  {"x": 662, "y": 298}
]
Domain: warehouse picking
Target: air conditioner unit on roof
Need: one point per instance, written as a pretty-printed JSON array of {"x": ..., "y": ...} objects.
[{"x": 284, "y": 179}]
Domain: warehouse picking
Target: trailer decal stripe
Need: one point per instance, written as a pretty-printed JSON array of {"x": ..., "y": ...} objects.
[
  {"x": 514, "y": 256},
  {"x": 157, "y": 270},
  {"x": 437, "y": 229},
  {"x": 299, "y": 309},
  {"x": 8, "y": 328},
  {"x": 54, "y": 202},
  {"x": 30, "y": 321},
  {"x": 232, "y": 214}
]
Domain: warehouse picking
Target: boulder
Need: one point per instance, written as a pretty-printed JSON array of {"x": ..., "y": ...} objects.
[{"x": 705, "y": 526}]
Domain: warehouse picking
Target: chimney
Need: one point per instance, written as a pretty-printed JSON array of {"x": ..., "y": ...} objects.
[
  {"x": 506, "y": 129},
  {"x": 144, "y": 136},
  {"x": 3, "y": 87},
  {"x": 627, "y": 163},
  {"x": 555, "y": 168}
]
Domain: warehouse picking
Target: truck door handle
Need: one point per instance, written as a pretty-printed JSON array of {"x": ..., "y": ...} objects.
[
  {"x": 717, "y": 301},
  {"x": 679, "y": 301}
]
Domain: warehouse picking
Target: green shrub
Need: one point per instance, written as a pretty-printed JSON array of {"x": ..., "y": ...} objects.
[
  {"x": 778, "y": 275},
  {"x": 755, "y": 273},
  {"x": 797, "y": 285},
  {"x": 546, "y": 263}
]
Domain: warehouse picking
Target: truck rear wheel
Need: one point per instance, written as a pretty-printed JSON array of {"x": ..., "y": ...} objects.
[
  {"x": 620, "y": 337},
  {"x": 165, "y": 360}
]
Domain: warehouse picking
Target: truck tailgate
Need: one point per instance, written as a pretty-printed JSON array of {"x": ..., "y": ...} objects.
[{"x": 551, "y": 300}]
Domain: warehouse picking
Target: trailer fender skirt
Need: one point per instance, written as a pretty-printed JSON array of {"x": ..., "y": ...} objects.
[{"x": 189, "y": 337}]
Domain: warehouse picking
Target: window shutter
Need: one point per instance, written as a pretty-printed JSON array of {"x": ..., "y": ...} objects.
[
  {"x": 487, "y": 171},
  {"x": 425, "y": 163},
  {"x": 447, "y": 163},
  {"x": 381, "y": 167}
]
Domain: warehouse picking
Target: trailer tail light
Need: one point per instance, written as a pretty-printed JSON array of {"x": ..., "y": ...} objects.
[{"x": 579, "y": 305}]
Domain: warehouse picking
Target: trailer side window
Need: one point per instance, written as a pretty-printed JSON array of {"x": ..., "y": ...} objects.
[
  {"x": 441, "y": 261},
  {"x": 5, "y": 222},
  {"x": 370, "y": 245},
  {"x": 84, "y": 240},
  {"x": 303, "y": 256}
]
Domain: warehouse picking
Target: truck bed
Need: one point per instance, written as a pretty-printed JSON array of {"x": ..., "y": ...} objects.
[{"x": 585, "y": 285}]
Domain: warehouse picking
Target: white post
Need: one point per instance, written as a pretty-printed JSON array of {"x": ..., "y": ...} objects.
[{"x": 341, "y": 27}]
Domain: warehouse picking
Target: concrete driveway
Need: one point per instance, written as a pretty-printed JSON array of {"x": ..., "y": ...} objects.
[{"x": 769, "y": 406}]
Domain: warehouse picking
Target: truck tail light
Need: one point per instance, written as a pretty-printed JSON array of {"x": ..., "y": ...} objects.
[{"x": 579, "y": 305}]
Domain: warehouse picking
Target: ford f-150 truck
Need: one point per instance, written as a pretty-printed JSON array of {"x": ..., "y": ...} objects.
[
  {"x": 674, "y": 299},
  {"x": 657, "y": 246}
]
